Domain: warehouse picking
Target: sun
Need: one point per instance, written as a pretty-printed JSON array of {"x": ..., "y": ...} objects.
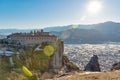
[{"x": 94, "y": 7}]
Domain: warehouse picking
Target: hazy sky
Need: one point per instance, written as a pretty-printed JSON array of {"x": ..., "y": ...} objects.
[{"x": 44, "y": 13}]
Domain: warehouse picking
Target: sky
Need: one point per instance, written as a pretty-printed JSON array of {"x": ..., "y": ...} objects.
[{"x": 36, "y": 14}]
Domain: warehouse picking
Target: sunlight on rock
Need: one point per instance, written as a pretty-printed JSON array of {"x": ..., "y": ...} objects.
[
  {"x": 49, "y": 50},
  {"x": 27, "y": 71}
]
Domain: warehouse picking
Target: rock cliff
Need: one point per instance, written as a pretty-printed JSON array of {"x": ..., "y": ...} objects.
[{"x": 69, "y": 66}]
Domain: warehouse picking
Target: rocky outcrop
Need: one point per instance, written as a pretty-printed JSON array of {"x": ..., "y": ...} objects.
[
  {"x": 69, "y": 66},
  {"x": 116, "y": 66},
  {"x": 93, "y": 64}
]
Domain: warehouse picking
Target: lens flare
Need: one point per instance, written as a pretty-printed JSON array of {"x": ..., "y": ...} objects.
[
  {"x": 74, "y": 26},
  {"x": 65, "y": 35},
  {"x": 27, "y": 71},
  {"x": 49, "y": 50}
]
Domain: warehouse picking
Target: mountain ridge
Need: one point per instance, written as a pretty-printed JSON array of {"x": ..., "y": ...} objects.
[
  {"x": 61, "y": 28},
  {"x": 74, "y": 34}
]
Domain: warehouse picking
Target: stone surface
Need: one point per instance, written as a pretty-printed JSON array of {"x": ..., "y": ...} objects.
[{"x": 93, "y": 64}]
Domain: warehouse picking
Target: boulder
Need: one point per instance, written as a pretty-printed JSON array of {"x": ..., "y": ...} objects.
[
  {"x": 69, "y": 66},
  {"x": 116, "y": 66},
  {"x": 93, "y": 64}
]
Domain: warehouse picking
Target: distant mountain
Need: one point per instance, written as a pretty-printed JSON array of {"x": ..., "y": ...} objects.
[
  {"x": 57, "y": 28},
  {"x": 9, "y": 31},
  {"x": 108, "y": 28},
  {"x": 104, "y": 27},
  {"x": 92, "y": 36},
  {"x": 95, "y": 33},
  {"x": 74, "y": 36},
  {"x": 63, "y": 28}
]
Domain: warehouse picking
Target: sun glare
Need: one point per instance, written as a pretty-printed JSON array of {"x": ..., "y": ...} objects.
[{"x": 94, "y": 7}]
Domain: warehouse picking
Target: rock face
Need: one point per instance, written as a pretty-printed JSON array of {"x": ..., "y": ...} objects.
[
  {"x": 69, "y": 66},
  {"x": 116, "y": 66},
  {"x": 93, "y": 64}
]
